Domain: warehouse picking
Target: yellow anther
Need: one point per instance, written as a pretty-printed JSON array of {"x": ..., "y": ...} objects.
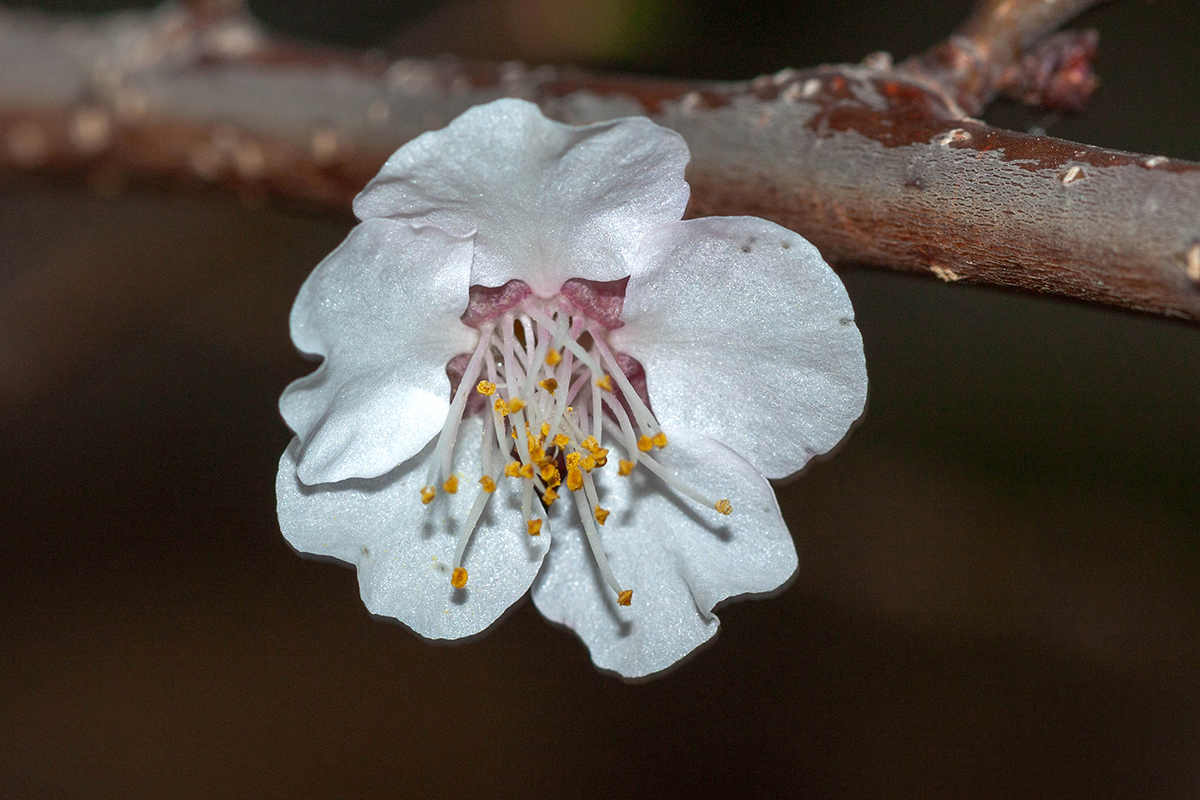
[
  {"x": 526, "y": 470},
  {"x": 625, "y": 597},
  {"x": 574, "y": 479},
  {"x": 588, "y": 463},
  {"x": 549, "y": 385},
  {"x": 514, "y": 433},
  {"x": 503, "y": 408},
  {"x": 488, "y": 484},
  {"x": 601, "y": 514},
  {"x": 724, "y": 507},
  {"x": 427, "y": 494},
  {"x": 601, "y": 456},
  {"x": 516, "y": 404},
  {"x": 624, "y": 467},
  {"x": 605, "y": 383},
  {"x": 512, "y": 469},
  {"x": 545, "y": 429},
  {"x": 590, "y": 444},
  {"x": 553, "y": 358},
  {"x": 645, "y": 444},
  {"x": 561, "y": 440},
  {"x": 451, "y": 484},
  {"x": 536, "y": 454},
  {"x": 660, "y": 439},
  {"x": 458, "y": 578},
  {"x": 572, "y": 460},
  {"x": 549, "y": 473},
  {"x": 549, "y": 497},
  {"x": 535, "y": 527},
  {"x": 486, "y": 388}
]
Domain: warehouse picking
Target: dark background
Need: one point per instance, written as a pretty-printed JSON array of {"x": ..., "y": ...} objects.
[{"x": 998, "y": 594}]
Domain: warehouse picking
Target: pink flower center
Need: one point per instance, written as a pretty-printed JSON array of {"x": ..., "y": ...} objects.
[{"x": 548, "y": 385}]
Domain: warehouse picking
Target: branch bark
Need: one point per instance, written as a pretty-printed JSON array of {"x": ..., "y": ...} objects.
[{"x": 876, "y": 164}]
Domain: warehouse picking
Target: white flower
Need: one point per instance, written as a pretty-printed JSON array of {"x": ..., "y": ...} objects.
[{"x": 653, "y": 372}]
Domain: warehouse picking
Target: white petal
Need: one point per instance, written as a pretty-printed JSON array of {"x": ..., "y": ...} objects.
[
  {"x": 746, "y": 335},
  {"x": 384, "y": 309},
  {"x": 404, "y": 550},
  {"x": 546, "y": 201},
  {"x": 678, "y": 558}
]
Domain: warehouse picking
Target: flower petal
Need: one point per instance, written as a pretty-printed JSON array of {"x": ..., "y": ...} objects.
[
  {"x": 746, "y": 335},
  {"x": 404, "y": 550},
  {"x": 546, "y": 201},
  {"x": 384, "y": 309},
  {"x": 678, "y": 558}
]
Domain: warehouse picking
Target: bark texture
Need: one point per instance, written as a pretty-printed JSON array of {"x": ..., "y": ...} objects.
[{"x": 877, "y": 164}]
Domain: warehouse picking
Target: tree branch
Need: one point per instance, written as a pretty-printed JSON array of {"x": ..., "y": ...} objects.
[{"x": 876, "y": 164}]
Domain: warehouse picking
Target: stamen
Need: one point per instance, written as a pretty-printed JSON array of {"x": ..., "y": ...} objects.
[
  {"x": 427, "y": 494},
  {"x": 458, "y": 578},
  {"x": 593, "y": 537},
  {"x": 549, "y": 497},
  {"x": 597, "y": 417},
  {"x": 550, "y": 384},
  {"x": 660, "y": 440},
  {"x": 486, "y": 388},
  {"x": 451, "y": 484},
  {"x": 488, "y": 484},
  {"x": 574, "y": 479},
  {"x": 625, "y": 597},
  {"x": 443, "y": 451},
  {"x": 624, "y": 467},
  {"x": 724, "y": 507},
  {"x": 618, "y": 411},
  {"x": 643, "y": 415},
  {"x": 645, "y": 443},
  {"x": 553, "y": 358},
  {"x": 464, "y": 535},
  {"x": 534, "y": 526},
  {"x": 679, "y": 486},
  {"x": 512, "y": 469},
  {"x": 569, "y": 343},
  {"x": 605, "y": 383},
  {"x": 600, "y": 514}
]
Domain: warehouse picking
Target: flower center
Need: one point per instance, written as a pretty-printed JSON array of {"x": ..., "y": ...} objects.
[{"x": 548, "y": 387}]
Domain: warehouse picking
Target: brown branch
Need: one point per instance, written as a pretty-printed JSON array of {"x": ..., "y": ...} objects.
[{"x": 877, "y": 165}]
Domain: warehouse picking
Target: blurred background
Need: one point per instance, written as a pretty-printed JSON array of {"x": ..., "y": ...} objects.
[{"x": 998, "y": 593}]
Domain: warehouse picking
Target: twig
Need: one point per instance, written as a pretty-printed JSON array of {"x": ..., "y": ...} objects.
[{"x": 876, "y": 164}]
